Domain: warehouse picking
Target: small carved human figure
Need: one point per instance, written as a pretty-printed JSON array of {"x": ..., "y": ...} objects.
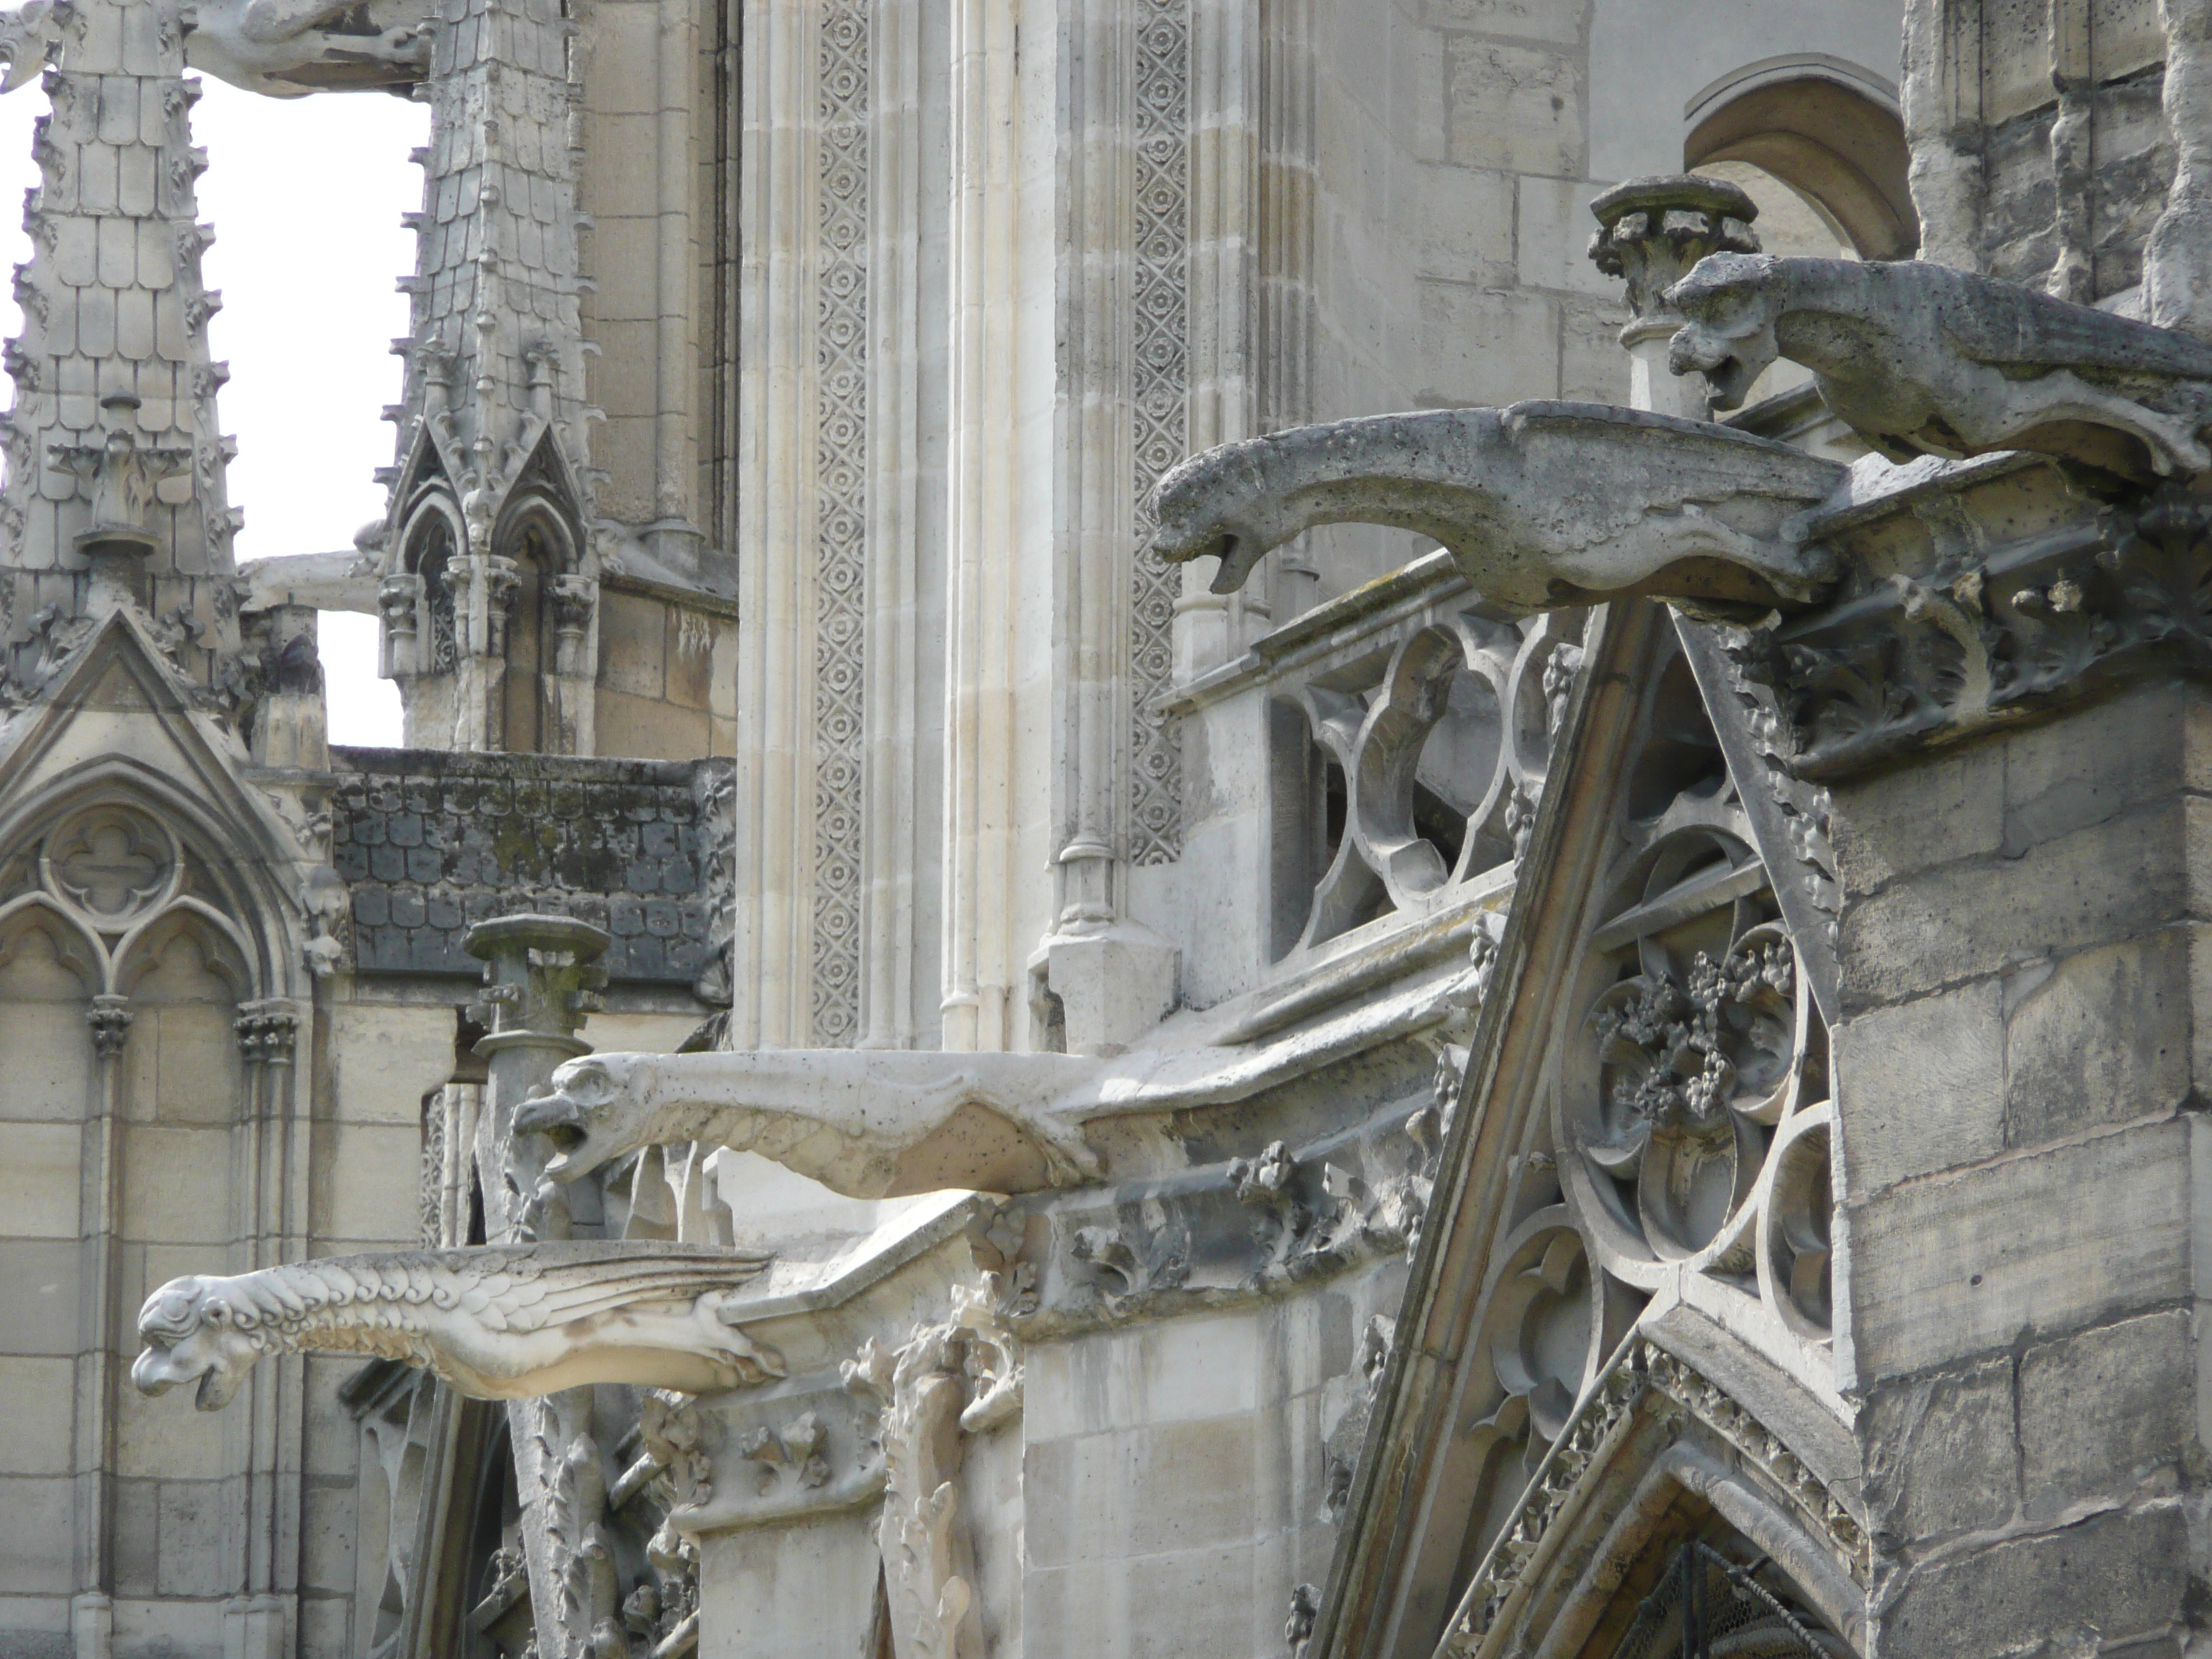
[{"x": 121, "y": 475}]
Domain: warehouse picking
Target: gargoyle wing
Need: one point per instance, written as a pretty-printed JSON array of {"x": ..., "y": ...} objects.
[
  {"x": 2005, "y": 323},
  {"x": 555, "y": 1285}
]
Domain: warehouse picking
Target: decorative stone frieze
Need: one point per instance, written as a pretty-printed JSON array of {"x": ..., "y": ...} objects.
[
  {"x": 1237, "y": 1233},
  {"x": 1159, "y": 360},
  {"x": 2040, "y": 624},
  {"x": 496, "y": 1323}
]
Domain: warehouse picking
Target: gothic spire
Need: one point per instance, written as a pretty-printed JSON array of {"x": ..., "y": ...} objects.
[{"x": 115, "y": 464}]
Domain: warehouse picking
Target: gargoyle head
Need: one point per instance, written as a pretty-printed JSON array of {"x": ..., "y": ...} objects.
[
  {"x": 191, "y": 1330},
  {"x": 1222, "y": 503},
  {"x": 1732, "y": 301},
  {"x": 597, "y": 1111}
]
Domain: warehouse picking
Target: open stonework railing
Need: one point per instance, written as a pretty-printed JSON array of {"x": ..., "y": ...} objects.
[{"x": 1409, "y": 725}]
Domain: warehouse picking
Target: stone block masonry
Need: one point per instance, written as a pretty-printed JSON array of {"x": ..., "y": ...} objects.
[
  {"x": 2023, "y": 1180},
  {"x": 432, "y": 842}
]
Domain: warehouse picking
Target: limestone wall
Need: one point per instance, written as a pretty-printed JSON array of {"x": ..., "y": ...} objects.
[{"x": 2021, "y": 1169}]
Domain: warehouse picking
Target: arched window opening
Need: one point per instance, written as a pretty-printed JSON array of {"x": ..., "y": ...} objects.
[
  {"x": 429, "y": 557},
  {"x": 1822, "y": 152},
  {"x": 528, "y": 633},
  {"x": 1839, "y": 147}
]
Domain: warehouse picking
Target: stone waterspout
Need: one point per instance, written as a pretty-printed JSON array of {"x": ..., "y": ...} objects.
[
  {"x": 1541, "y": 504},
  {"x": 496, "y": 1322}
]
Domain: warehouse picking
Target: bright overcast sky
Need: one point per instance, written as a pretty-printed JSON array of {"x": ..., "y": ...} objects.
[{"x": 305, "y": 196}]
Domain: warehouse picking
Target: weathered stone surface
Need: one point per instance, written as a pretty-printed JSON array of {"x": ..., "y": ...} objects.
[
  {"x": 1942, "y": 1452},
  {"x": 1927, "y": 1082},
  {"x": 1964, "y": 920},
  {"x": 2126, "y": 1572},
  {"x": 431, "y": 843},
  {"x": 2102, "y": 1412},
  {"x": 2099, "y": 1037},
  {"x": 1967, "y": 1263},
  {"x": 1949, "y": 808}
]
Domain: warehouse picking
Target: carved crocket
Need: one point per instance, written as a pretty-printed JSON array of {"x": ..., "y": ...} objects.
[
  {"x": 1919, "y": 358},
  {"x": 497, "y": 1322},
  {"x": 1541, "y": 504}
]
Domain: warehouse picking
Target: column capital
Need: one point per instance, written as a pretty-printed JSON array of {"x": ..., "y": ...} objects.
[
  {"x": 542, "y": 978},
  {"x": 109, "y": 1016},
  {"x": 1651, "y": 230}
]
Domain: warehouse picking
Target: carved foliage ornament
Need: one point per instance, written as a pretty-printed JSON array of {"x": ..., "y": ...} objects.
[
  {"x": 1646, "y": 1381},
  {"x": 1934, "y": 660},
  {"x": 961, "y": 1377}
]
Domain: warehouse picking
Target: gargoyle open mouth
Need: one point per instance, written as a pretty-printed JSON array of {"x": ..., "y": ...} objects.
[{"x": 556, "y": 1117}]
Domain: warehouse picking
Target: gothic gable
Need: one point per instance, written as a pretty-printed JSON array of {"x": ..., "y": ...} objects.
[
  {"x": 116, "y": 726},
  {"x": 1631, "y": 1213}
]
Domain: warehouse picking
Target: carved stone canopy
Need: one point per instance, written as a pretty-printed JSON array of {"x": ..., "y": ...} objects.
[{"x": 1541, "y": 504}]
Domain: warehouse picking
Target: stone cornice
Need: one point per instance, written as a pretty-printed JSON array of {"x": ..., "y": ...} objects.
[{"x": 2074, "y": 612}]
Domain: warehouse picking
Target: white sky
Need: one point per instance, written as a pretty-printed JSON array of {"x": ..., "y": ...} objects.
[{"x": 305, "y": 196}]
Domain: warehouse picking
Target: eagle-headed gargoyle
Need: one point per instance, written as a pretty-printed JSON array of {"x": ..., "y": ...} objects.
[
  {"x": 1919, "y": 358},
  {"x": 497, "y": 1322},
  {"x": 869, "y": 1123},
  {"x": 1541, "y": 504}
]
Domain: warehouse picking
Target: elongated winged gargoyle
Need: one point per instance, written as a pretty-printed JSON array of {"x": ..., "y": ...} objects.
[
  {"x": 1919, "y": 358},
  {"x": 1541, "y": 504},
  {"x": 497, "y": 1322}
]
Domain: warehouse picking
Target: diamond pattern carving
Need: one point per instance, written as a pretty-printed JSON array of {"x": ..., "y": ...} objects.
[
  {"x": 841, "y": 458},
  {"x": 1160, "y": 378}
]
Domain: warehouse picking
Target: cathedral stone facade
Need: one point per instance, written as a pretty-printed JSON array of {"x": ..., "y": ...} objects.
[{"x": 1034, "y": 983}]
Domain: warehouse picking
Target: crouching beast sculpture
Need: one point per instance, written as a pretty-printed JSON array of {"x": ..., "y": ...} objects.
[
  {"x": 496, "y": 1322},
  {"x": 1541, "y": 504},
  {"x": 871, "y": 1123},
  {"x": 1919, "y": 358}
]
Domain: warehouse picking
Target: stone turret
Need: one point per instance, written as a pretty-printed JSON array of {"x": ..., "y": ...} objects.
[
  {"x": 490, "y": 507},
  {"x": 115, "y": 478}
]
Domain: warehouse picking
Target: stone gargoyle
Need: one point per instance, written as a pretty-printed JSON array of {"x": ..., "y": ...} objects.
[
  {"x": 30, "y": 34},
  {"x": 288, "y": 48},
  {"x": 869, "y": 1123},
  {"x": 1541, "y": 504},
  {"x": 497, "y": 1322},
  {"x": 284, "y": 48},
  {"x": 1919, "y": 358}
]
